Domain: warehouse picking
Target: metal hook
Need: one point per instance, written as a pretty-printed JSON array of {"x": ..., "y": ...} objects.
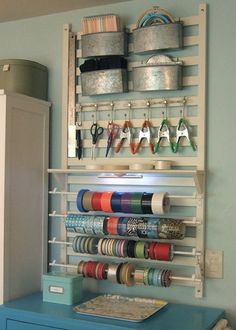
[
  {"x": 79, "y": 115},
  {"x": 183, "y": 110},
  {"x": 165, "y": 103},
  {"x": 112, "y": 112},
  {"x": 148, "y": 104},
  {"x": 129, "y": 105},
  {"x": 96, "y": 108}
]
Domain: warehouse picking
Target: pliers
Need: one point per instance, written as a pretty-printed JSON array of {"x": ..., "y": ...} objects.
[
  {"x": 144, "y": 133},
  {"x": 125, "y": 133},
  {"x": 182, "y": 131},
  {"x": 163, "y": 133}
]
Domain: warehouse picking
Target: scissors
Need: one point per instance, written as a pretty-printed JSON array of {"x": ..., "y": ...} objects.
[
  {"x": 95, "y": 131},
  {"x": 112, "y": 130}
]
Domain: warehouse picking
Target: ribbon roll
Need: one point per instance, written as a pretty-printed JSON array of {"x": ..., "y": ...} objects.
[
  {"x": 106, "y": 201},
  {"x": 79, "y": 200},
  {"x": 160, "y": 203}
]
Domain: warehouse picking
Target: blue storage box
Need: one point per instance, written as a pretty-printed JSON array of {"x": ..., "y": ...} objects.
[{"x": 62, "y": 288}]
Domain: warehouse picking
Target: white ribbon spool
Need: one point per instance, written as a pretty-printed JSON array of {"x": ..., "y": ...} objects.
[
  {"x": 160, "y": 203},
  {"x": 94, "y": 167},
  {"x": 140, "y": 167},
  {"x": 162, "y": 164}
]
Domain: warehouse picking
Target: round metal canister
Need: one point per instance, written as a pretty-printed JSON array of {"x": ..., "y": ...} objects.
[
  {"x": 104, "y": 44},
  {"x": 157, "y": 37}
]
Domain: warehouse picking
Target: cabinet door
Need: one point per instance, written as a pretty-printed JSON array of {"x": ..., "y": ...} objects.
[{"x": 18, "y": 325}]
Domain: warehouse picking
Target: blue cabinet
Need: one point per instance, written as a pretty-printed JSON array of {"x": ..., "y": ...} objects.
[{"x": 30, "y": 313}]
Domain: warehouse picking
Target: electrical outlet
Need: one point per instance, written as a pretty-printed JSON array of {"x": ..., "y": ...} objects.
[{"x": 214, "y": 264}]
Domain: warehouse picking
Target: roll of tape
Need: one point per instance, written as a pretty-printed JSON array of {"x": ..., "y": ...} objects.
[
  {"x": 96, "y": 201},
  {"x": 140, "y": 167},
  {"x": 129, "y": 274},
  {"x": 115, "y": 167},
  {"x": 79, "y": 200},
  {"x": 116, "y": 202},
  {"x": 87, "y": 200},
  {"x": 106, "y": 201},
  {"x": 162, "y": 164},
  {"x": 146, "y": 203},
  {"x": 136, "y": 204},
  {"x": 112, "y": 272},
  {"x": 162, "y": 251},
  {"x": 139, "y": 276},
  {"x": 94, "y": 167},
  {"x": 160, "y": 203},
  {"x": 126, "y": 202}
]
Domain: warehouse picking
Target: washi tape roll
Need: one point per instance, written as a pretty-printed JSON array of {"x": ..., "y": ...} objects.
[
  {"x": 122, "y": 226},
  {"x": 152, "y": 227},
  {"x": 162, "y": 164},
  {"x": 115, "y": 167},
  {"x": 112, "y": 225},
  {"x": 132, "y": 226},
  {"x": 142, "y": 228},
  {"x": 140, "y": 167},
  {"x": 106, "y": 201},
  {"x": 171, "y": 229},
  {"x": 79, "y": 200},
  {"x": 160, "y": 203},
  {"x": 94, "y": 167}
]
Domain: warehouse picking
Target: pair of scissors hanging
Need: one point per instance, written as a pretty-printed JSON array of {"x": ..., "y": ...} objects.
[
  {"x": 126, "y": 133},
  {"x": 96, "y": 131},
  {"x": 112, "y": 130},
  {"x": 78, "y": 136},
  {"x": 145, "y": 131}
]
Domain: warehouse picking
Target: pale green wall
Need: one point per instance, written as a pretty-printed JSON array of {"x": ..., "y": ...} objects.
[{"x": 40, "y": 39}]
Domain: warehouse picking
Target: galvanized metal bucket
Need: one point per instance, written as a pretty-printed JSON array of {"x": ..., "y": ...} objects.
[
  {"x": 104, "y": 44},
  {"x": 104, "y": 82},
  {"x": 157, "y": 37},
  {"x": 157, "y": 77}
]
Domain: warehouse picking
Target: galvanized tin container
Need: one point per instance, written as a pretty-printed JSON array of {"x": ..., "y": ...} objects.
[
  {"x": 157, "y": 37},
  {"x": 104, "y": 44},
  {"x": 104, "y": 82},
  {"x": 24, "y": 77},
  {"x": 157, "y": 77}
]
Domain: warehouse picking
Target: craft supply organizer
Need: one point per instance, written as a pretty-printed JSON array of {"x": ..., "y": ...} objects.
[{"x": 155, "y": 118}]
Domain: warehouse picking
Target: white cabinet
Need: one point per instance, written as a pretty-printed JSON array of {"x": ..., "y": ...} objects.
[{"x": 24, "y": 133}]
